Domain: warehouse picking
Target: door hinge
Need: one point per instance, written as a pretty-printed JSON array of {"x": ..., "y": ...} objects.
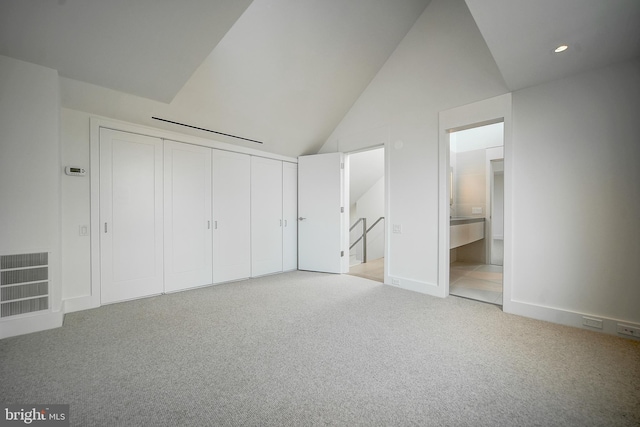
[
  {"x": 341, "y": 253},
  {"x": 341, "y": 165},
  {"x": 341, "y": 209}
]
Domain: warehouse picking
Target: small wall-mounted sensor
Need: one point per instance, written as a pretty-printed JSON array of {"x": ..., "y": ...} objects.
[{"x": 75, "y": 171}]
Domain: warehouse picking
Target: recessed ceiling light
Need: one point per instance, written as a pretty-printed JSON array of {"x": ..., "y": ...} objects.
[{"x": 561, "y": 48}]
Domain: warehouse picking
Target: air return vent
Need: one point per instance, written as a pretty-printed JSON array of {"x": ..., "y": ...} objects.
[{"x": 24, "y": 283}]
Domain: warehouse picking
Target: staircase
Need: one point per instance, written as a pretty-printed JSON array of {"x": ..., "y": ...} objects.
[{"x": 361, "y": 237}]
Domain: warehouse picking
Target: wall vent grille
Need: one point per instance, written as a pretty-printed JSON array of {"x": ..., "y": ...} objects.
[{"x": 24, "y": 283}]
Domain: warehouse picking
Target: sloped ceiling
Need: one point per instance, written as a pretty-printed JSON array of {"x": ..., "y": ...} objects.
[
  {"x": 522, "y": 35},
  {"x": 283, "y": 72},
  {"x": 148, "y": 48},
  {"x": 366, "y": 168}
]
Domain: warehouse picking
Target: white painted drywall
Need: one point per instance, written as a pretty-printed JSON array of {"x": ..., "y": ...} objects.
[
  {"x": 441, "y": 63},
  {"x": 371, "y": 207},
  {"x": 29, "y": 164},
  {"x": 576, "y": 193},
  {"x": 575, "y": 162},
  {"x": 470, "y": 181},
  {"x": 76, "y": 249}
]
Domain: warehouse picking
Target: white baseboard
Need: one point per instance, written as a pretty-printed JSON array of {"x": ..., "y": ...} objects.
[
  {"x": 31, "y": 323},
  {"x": 77, "y": 304},
  {"x": 568, "y": 318},
  {"x": 412, "y": 285}
]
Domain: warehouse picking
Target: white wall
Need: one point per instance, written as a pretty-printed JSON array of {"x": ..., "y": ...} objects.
[
  {"x": 30, "y": 168},
  {"x": 442, "y": 62},
  {"x": 371, "y": 207},
  {"x": 575, "y": 170},
  {"x": 76, "y": 249},
  {"x": 470, "y": 182},
  {"x": 576, "y": 197}
]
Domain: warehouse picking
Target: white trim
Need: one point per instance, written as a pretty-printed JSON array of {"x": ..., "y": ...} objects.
[
  {"x": 71, "y": 305},
  {"x": 493, "y": 153},
  {"x": 489, "y": 111},
  {"x": 412, "y": 285},
  {"x": 568, "y": 318},
  {"x": 94, "y": 211},
  {"x": 38, "y": 321},
  {"x": 386, "y": 146},
  {"x": 387, "y": 211}
]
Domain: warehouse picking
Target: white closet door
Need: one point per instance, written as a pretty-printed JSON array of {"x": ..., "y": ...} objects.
[
  {"x": 188, "y": 259},
  {"x": 266, "y": 216},
  {"x": 290, "y": 216},
  {"x": 131, "y": 261},
  {"x": 232, "y": 216}
]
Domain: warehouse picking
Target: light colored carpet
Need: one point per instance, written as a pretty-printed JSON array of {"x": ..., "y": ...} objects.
[{"x": 312, "y": 349}]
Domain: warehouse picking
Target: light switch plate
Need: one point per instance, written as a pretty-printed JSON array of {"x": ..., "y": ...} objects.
[{"x": 397, "y": 228}]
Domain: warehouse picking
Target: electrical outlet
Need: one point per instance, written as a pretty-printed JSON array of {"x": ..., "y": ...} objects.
[
  {"x": 395, "y": 282},
  {"x": 397, "y": 228},
  {"x": 476, "y": 211},
  {"x": 590, "y": 321},
  {"x": 628, "y": 330}
]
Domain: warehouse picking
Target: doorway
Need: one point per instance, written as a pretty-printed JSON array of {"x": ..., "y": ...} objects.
[
  {"x": 486, "y": 112},
  {"x": 366, "y": 195},
  {"x": 476, "y": 159}
]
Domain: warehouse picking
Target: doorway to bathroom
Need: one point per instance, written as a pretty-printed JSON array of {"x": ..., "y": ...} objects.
[{"x": 476, "y": 210}]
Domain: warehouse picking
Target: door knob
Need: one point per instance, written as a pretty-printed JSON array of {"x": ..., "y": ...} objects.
[{"x": 301, "y": 219}]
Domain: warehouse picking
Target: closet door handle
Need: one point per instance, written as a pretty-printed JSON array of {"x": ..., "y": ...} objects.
[{"x": 105, "y": 227}]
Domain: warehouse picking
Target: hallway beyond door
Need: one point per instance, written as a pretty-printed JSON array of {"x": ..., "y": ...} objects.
[{"x": 373, "y": 270}]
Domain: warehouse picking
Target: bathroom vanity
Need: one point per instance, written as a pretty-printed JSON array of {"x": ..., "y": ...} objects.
[{"x": 465, "y": 230}]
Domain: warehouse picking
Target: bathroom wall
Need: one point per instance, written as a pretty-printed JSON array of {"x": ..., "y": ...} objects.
[
  {"x": 470, "y": 151},
  {"x": 470, "y": 178}
]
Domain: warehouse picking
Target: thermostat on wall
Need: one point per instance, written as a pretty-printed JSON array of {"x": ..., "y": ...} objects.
[{"x": 75, "y": 171}]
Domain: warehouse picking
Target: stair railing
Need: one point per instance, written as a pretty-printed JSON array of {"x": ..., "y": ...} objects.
[{"x": 363, "y": 235}]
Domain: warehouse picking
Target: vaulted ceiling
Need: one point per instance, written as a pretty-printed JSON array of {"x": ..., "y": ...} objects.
[{"x": 283, "y": 72}]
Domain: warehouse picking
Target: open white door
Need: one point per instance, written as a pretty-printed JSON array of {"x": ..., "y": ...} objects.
[{"x": 321, "y": 225}]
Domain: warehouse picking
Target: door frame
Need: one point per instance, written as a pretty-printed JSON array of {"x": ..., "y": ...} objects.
[
  {"x": 492, "y": 155},
  {"x": 492, "y": 110},
  {"x": 492, "y": 206},
  {"x": 347, "y": 199}
]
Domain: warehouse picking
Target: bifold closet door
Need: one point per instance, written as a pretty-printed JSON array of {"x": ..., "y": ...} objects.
[
  {"x": 290, "y": 216},
  {"x": 231, "y": 216},
  {"x": 188, "y": 259},
  {"x": 266, "y": 216},
  {"x": 131, "y": 259}
]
